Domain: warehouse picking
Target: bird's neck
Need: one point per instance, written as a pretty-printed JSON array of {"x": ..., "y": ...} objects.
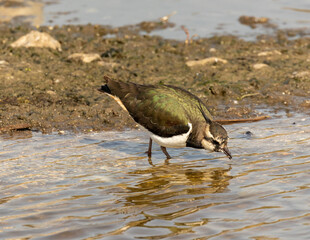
[{"x": 196, "y": 136}]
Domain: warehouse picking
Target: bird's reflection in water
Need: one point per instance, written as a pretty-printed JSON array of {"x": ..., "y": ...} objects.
[
  {"x": 169, "y": 180},
  {"x": 171, "y": 191}
]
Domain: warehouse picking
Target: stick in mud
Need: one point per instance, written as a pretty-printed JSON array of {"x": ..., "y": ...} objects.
[{"x": 241, "y": 120}]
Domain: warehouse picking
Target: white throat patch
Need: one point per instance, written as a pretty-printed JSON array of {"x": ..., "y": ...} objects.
[
  {"x": 177, "y": 141},
  {"x": 207, "y": 145},
  {"x": 208, "y": 133}
]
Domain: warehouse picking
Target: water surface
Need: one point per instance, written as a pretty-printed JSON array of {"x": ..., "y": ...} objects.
[
  {"x": 202, "y": 18},
  {"x": 101, "y": 186}
]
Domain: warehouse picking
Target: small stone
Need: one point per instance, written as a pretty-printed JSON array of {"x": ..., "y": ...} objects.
[
  {"x": 212, "y": 50},
  {"x": 301, "y": 75},
  {"x": 305, "y": 103},
  {"x": 253, "y": 21},
  {"x": 50, "y": 92},
  {"x": 108, "y": 64},
  {"x": 210, "y": 60},
  {"x": 269, "y": 53},
  {"x": 85, "y": 57},
  {"x": 3, "y": 63},
  {"x": 258, "y": 66},
  {"x": 37, "y": 39},
  {"x": 249, "y": 134}
]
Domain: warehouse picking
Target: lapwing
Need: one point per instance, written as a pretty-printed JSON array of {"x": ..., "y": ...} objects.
[{"x": 173, "y": 117}]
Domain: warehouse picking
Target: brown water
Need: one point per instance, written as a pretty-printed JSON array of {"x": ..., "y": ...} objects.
[{"x": 101, "y": 186}]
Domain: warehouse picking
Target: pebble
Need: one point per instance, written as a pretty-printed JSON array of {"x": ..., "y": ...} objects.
[
  {"x": 3, "y": 63},
  {"x": 205, "y": 61},
  {"x": 269, "y": 53},
  {"x": 258, "y": 66},
  {"x": 85, "y": 57},
  {"x": 249, "y": 134},
  {"x": 50, "y": 92},
  {"x": 108, "y": 64},
  {"x": 212, "y": 50},
  {"x": 37, "y": 39},
  {"x": 301, "y": 75}
]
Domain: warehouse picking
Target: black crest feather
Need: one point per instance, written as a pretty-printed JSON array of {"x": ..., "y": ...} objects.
[{"x": 208, "y": 120}]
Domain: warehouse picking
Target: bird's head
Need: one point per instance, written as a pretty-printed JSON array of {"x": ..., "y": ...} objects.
[{"x": 215, "y": 139}]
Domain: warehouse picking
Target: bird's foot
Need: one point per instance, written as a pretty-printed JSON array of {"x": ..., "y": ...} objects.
[
  {"x": 165, "y": 152},
  {"x": 150, "y": 161}
]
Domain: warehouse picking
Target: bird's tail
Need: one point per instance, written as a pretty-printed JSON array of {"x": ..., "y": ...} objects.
[
  {"x": 114, "y": 84},
  {"x": 105, "y": 88}
]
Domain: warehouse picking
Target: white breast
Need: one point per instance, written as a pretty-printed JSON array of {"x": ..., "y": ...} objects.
[{"x": 177, "y": 141}]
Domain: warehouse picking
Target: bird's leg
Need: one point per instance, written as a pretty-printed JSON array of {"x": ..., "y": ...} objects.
[
  {"x": 150, "y": 162},
  {"x": 165, "y": 152},
  {"x": 149, "y": 151}
]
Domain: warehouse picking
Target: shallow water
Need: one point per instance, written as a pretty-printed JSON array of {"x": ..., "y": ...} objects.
[
  {"x": 101, "y": 186},
  {"x": 202, "y": 18}
]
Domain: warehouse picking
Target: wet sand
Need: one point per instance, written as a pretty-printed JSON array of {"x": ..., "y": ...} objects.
[{"x": 42, "y": 89}]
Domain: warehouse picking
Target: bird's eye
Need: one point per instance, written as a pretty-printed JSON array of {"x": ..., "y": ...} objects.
[{"x": 213, "y": 141}]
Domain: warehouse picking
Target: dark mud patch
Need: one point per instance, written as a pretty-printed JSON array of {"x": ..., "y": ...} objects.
[{"x": 42, "y": 88}]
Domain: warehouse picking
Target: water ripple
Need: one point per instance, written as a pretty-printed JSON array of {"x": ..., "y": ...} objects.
[{"x": 101, "y": 186}]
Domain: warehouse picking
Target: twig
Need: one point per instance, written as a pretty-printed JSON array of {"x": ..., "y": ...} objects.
[
  {"x": 248, "y": 95},
  {"x": 187, "y": 41},
  {"x": 15, "y": 127},
  {"x": 241, "y": 120}
]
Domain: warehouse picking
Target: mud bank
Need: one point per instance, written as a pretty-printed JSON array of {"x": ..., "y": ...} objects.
[{"x": 47, "y": 90}]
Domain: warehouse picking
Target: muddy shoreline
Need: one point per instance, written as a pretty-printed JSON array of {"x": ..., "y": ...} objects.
[{"x": 45, "y": 90}]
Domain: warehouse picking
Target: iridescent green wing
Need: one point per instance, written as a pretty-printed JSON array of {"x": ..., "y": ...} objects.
[
  {"x": 193, "y": 105},
  {"x": 158, "y": 111},
  {"x": 163, "y": 110}
]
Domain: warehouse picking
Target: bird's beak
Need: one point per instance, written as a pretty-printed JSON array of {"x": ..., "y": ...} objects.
[{"x": 227, "y": 152}]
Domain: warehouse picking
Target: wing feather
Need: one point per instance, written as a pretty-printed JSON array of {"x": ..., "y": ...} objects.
[
  {"x": 163, "y": 110},
  {"x": 152, "y": 107}
]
